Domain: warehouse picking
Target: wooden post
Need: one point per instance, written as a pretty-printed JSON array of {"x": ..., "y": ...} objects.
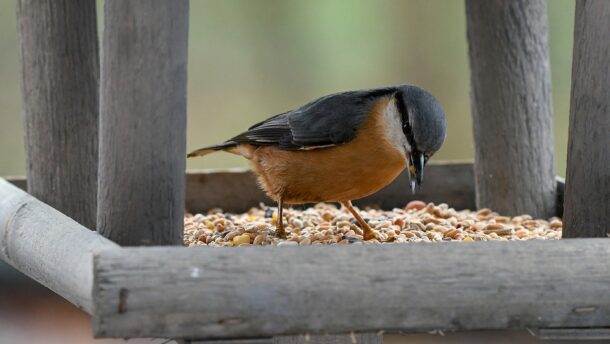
[
  {"x": 511, "y": 106},
  {"x": 143, "y": 122},
  {"x": 59, "y": 80},
  {"x": 587, "y": 197}
]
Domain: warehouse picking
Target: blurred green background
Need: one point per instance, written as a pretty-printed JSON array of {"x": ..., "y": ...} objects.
[{"x": 251, "y": 59}]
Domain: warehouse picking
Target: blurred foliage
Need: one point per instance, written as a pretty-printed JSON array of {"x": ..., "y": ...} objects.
[{"x": 251, "y": 59}]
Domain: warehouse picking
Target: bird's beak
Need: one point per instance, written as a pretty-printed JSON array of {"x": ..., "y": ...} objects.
[{"x": 415, "y": 163}]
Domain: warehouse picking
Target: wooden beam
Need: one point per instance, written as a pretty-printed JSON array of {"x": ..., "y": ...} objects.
[
  {"x": 236, "y": 190},
  {"x": 48, "y": 246},
  {"x": 511, "y": 106},
  {"x": 268, "y": 291},
  {"x": 143, "y": 122},
  {"x": 59, "y": 79},
  {"x": 352, "y": 338},
  {"x": 18, "y": 181},
  {"x": 233, "y": 341},
  {"x": 579, "y": 334},
  {"x": 587, "y": 200}
]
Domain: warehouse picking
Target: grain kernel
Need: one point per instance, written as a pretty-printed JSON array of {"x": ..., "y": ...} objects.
[
  {"x": 415, "y": 205},
  {"x": 241, "y": 239}
]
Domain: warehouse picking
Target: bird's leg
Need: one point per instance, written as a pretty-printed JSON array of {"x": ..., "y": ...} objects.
[
  {"x": 279, "y": 228},
  {"x": 368, "y": 232}
]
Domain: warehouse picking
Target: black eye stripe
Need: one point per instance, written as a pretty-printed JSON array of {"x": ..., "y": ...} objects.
[{"x": 406, "y": 126}]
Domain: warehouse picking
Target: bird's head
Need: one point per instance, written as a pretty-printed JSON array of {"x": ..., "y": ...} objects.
[{"x": 423, "y": 124}]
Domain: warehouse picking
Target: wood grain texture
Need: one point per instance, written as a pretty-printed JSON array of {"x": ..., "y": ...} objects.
[
  {"x": 48, "y": 246},
  {"x": 268, "y": 291},
  {"x": 236, "y": 190},
  {"x": 511, "y": 106},
  {"x": 143, "y": 122},
  {"x": 59, "y": 83},
  {"x": 232, "y": 341},
  {"x": 573, "y": 334},
  {"x": 353, "y": 338},
  {"x": 587, "y": 199}
]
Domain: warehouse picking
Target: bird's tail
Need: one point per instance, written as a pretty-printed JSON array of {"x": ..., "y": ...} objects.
[{"x": 210, "y": 149}]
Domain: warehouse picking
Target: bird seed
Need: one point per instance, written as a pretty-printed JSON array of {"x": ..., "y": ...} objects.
[{"x": 325, "y": 224}]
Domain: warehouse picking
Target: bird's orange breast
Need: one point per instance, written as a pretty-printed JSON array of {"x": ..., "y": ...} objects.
[{"x": 349, "y": 171}]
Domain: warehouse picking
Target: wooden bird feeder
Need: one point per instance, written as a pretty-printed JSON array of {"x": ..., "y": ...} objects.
[{"x": 557, "y": 289}]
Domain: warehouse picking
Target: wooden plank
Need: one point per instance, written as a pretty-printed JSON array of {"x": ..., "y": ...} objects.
[
  {"x": 48, "y": 246},
  {"x": 234, "y": 341},
  {"x": 18, "y": 181},
  {"x": 249, "y": 292},
  {"x": 587, "y": 201},
  {"x": 233, "y": 190},
  {"x": 236, "y": 190},
  {"x": 573, "y": 333},
  {"x": 60, "y": 82},
  {"x": 511, "y": 106},
  {"x": 352, "y": 338},
  {"x": 143, "y": 122}
]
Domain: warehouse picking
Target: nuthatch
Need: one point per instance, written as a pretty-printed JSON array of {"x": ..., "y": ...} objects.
[{"x": 342, "y": 147}]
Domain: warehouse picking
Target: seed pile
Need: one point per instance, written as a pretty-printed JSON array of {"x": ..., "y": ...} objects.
[{"x": 325, "y": 224}]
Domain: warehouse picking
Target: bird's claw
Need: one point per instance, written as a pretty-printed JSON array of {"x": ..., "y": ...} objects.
[
  {"x": 280, "y": 232},
  {"x": 370, "y": 235}
]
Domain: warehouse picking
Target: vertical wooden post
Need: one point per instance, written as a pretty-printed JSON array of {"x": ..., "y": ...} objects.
[
  {"x": 511, "y": 106},
  {"x": 59, "y": 81},
  {"x": 587, "y": 196},
  {"x": 143, "y": 122}
]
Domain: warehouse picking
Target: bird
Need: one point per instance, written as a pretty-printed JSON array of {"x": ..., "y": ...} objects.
[{"x": 341, "y": 147}]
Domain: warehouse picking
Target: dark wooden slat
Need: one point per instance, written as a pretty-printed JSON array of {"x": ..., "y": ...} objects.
[
  {"x": 237, "y": 190},
  {"x": 59, "y": 79},
  {"x": 235, "y": 341},
  {"x": 573, "y": 333},
  {"x": 233, "y": 190},
  {"x": 247, "y": 292},
  {"x": 587, "y": 201},
  {"x": 353, "y": 338},
  {"x": 511, "y": 106},
  {"x": 143, "y": 122},
  {"x": 18, "y": 181}
]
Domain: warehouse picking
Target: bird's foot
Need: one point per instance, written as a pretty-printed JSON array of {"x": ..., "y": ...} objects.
[
  {"x": 369, "y": 234},
  {"x": 280, "y": 232}
]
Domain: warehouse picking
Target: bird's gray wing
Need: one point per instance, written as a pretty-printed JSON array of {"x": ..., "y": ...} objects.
[{"x": 324, "y": 122}]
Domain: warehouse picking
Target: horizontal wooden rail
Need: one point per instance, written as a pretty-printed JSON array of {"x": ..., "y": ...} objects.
[
  {"x": 236, "y": 190},
  {"x": 268, "y": 291},
  {"x": 48, "y": 246}
]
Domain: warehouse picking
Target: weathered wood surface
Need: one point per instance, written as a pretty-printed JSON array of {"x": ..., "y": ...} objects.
[
  {"x": 59, "y": 79},
  {"x": 573, "y": 333},
  {"x": 143, "y": 122},
  {"x": 511, "y": 106},
  {"x": 18, "y": 181},
  {"x": 233, "y": 341},
  {"x": 48, "y": 246},
  {"x": 270, "y": 291},
  {"x": 352, "y": 338},
  {"x": 587, "y": 200},
  {"x": 237, "y": 191}
]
